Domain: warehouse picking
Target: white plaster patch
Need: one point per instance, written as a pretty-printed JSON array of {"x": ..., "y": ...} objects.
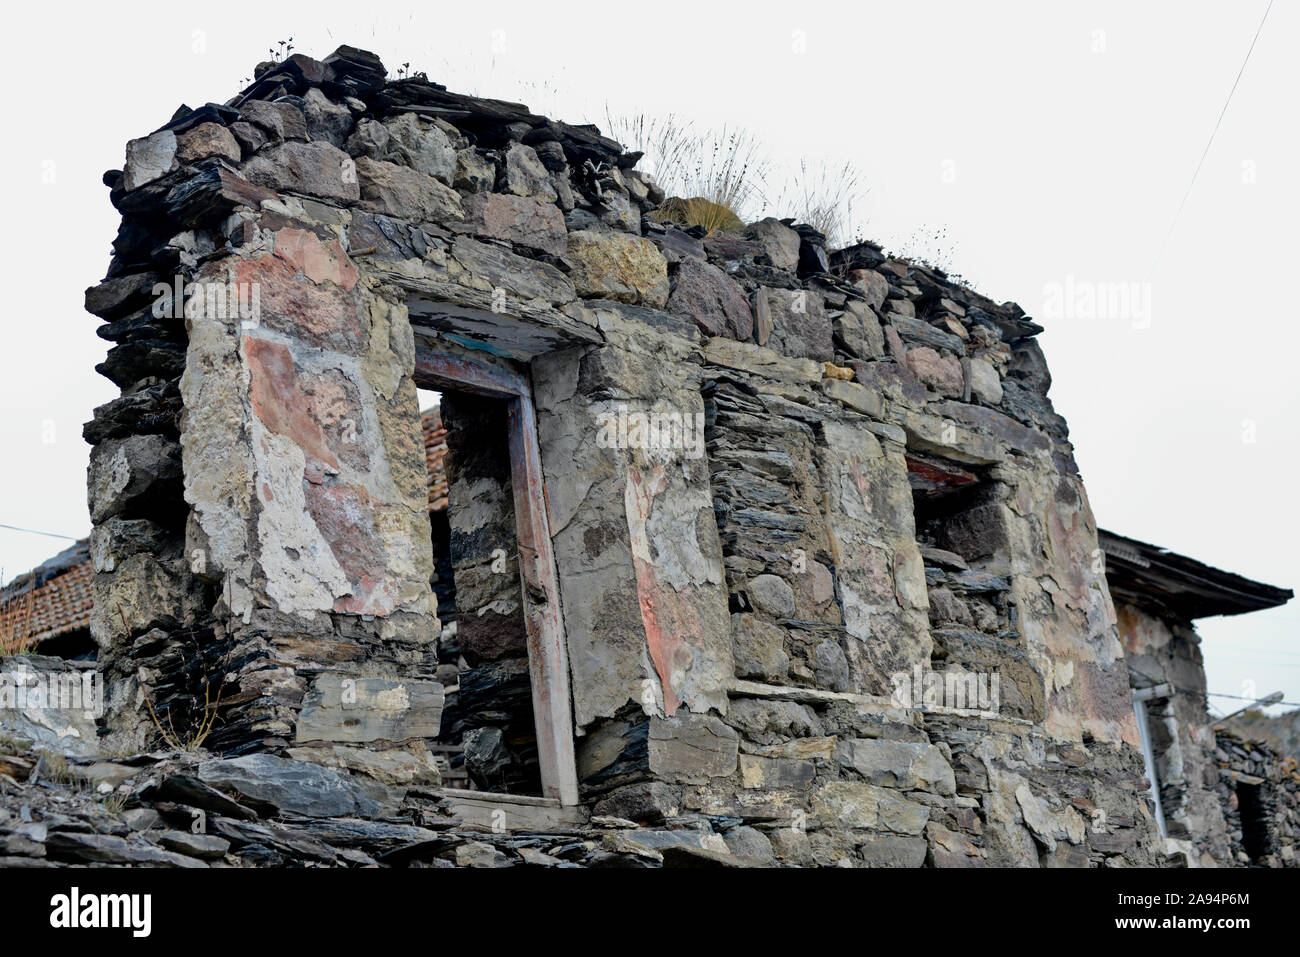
[
  {"x": 217, "y": 465},
  {"x": 310, "y": 579},
  {"x": 393, "y": 699},
  {"x": 857, "y": 613}
]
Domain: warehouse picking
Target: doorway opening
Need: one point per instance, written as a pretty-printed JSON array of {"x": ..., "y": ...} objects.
[
  {"x": 1253, "y": 807},
  {"x": 507, "y": 725},
  {"x": 488, "y": 739}
]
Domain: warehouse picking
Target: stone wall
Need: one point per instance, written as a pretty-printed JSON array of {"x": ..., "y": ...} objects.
[
  {"x": 1163, "y": 650},
  {"x": 1280, "y": 732},
  {"x": 1260, "y": 794},
  {"x": 863, "y": 484}
]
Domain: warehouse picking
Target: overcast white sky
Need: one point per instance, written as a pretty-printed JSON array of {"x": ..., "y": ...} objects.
[{"x": 1048, "y": 140}]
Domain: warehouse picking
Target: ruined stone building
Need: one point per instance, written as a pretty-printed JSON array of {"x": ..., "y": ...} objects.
[
  {"x": 1216, "y": 798},
  {"x": 727, "y": 542}
]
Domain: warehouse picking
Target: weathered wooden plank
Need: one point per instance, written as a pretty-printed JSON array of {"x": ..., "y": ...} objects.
[
  {"x": 502, "y": 812},
  {"x": 493, "y": 797},
  {"x": 439, "y": 370},
  {"x": 547, "y": 650}
]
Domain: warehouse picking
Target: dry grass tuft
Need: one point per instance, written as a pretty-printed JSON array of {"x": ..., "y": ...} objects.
[
  {"x": 928, "y": 246},
  {"x": 698, "y": 211},
  {"x": 15, "y": 624},
  {"x": 714, "y": 177},
  {"x": 193, "y": 739},
  {"x": 823, "y": 195}
]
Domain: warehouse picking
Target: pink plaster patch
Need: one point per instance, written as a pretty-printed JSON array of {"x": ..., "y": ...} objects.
[
  {"x": 863, "y": 484},
  {"x": 319, "y": 262},
  {"x": 667, "y": 619},
  {"x": 328, "y": 312},
  {"x": 279, "y": 401},
  {"x": 345, "y": 515}
]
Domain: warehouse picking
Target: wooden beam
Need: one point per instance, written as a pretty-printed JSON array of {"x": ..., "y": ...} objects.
[
  {"x": 548, "y": 654},
  {"x": 438, "y": 370}
]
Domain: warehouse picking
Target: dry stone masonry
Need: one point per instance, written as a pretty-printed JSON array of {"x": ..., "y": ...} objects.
[
  {"x": 1212, "y": 785},
  {"x": 829, "y": 587}
]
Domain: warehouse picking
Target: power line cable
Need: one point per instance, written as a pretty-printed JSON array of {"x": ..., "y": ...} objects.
[
  {"x": 1201, "y": 694},
  {"x": 33, "y": 531},
  {"x": 1205, "y": 152}
]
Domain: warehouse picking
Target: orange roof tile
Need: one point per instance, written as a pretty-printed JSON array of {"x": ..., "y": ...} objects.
[
  {"x": 51, "y": 600},
  {"x": 435, "y": 449}
]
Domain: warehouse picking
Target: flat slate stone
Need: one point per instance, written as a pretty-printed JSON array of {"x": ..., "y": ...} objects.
[{"x": 287, "y": 786}]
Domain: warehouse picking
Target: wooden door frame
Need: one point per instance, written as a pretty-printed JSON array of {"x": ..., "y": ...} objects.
[{"x": 548, "y": 655}]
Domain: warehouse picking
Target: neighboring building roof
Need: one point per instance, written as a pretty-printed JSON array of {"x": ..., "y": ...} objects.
[
  {"x": 52, "y": 599},
  {"x": 1280, "y": 732},
  {"x": 435, "y": 449},
  {"x": 1138, "y": 572}
]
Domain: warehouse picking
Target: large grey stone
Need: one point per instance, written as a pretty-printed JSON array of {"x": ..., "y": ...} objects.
[
  {"x": 791, "y": 846},
  {"x": 750, "y": 844},
  {"x": 361, "y": 710},
  {"x": 148, "y": 158},
  {"x": 525, "y": 220},
  {"x": 206, "y": 846},
  {"x": 846, "y": 804},
  {"x": 109, "y": 849},
  {"x": 849, "y": 804},
  {"x": 897, "y": 764},
  {"x": 326, "y": 120},
  {"x": 691, "y": 749},
  {"x": 794, "y": 323},
  {"x": 915, "y": 331},
  {"x": 127, "y": 472},
  {"x": 370, "y": 138},
  {"x": 769, "y": 773},
  {"x": 526, "y": 176},
  {"x": 413, "y": 764},
  {"x": 830, "y": 666},
  {"x": 874, "y": 286},
  {"x": 855, "y": 396},
  {"x": 772, "y": 594},
  {"x": 314, "y": 169},
  {"x": 765, "y": 720},
  {"x": 712, "y": 300},
  {"x": 758, "y": 649},
  {"x": 858, "y": 329},
  {"x": 528, "y": 279},
  {"x": 475, "y": 173},
  {"x": 406, "y": 193},
  {"x": 647, "y": 802},
  {"x": 889, "y": 850},
  {"x": 51, "y": 703},
  {"x": 204, "y": 140},
  {"x": 985, "y": 383},
  {"x": 780, "y": 242},
  {"x": 265, "y": 781},
  {"x": 422, "y": 146}
]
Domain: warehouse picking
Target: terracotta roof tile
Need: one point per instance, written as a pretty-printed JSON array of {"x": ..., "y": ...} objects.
[
  {"x": 36, "y": 607},
  {"x": 435, "y": 449}
]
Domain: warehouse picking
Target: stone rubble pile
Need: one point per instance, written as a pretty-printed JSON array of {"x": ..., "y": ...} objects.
[{"x": 197, "y": 810}]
